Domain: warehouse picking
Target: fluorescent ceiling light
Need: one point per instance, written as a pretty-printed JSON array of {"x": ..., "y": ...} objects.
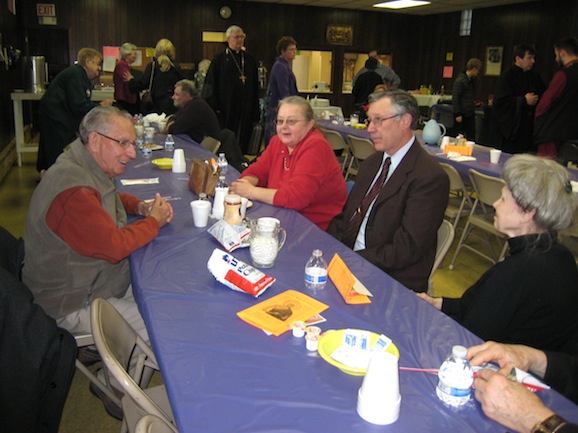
[{"x": 401, "y": 4}]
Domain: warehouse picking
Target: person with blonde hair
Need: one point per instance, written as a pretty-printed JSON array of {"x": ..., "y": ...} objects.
[
  {"x": 65, "y": 103},
  {"x": 161, "y": 75},
  {"x": 531, "y": 297},
  {"x": 126, "y": 98}
]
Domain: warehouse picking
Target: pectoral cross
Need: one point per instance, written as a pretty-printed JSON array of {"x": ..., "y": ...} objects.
[{"x": 243, "y": 78}]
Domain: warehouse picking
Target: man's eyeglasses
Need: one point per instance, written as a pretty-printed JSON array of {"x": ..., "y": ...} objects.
[
  {"x": 377, "y": 121},
  {"x": 123, "y": 143},
  {"x": 288, "y": 122}
]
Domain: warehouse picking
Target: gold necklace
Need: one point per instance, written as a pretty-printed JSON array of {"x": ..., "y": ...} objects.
[{"x": 241, "y": 68}]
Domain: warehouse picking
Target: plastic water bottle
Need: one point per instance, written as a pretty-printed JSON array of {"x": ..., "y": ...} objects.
[
  {"x": 455, "y": 378},
  {"x": 316, "y": 271},
  {"x": 221, "y": 190},
  {"x": 169, "y": 143},
  {"x": 223, "y": 163},
  {"x": 147, "y": 152}
]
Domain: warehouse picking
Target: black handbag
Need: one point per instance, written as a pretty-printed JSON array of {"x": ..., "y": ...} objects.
[{"x": 146, "y": 100}]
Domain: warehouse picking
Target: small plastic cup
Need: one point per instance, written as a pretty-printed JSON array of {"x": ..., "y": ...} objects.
[
  {"x": 201, "y": 210},
  {"x": 311, "y": 342},
  {"x": 298, "y": 329},
  {"x": 378, "y": 399},
  {"x": 495, "y": 156}
]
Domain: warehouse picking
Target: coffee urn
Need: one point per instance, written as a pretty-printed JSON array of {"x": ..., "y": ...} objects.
[{"x": 35, "y": 74}]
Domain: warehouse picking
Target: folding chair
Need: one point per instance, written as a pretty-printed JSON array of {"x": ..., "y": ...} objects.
[
  {"x": 460, "y": 202},
  {"x": 445, "y": 238},
  {"x": 361, "y": 149},
  {"x": 338, "y": 144},
  {"x": 84, "y": 340},
  {"x": 117, "y": 342},
  {"x": 211, "y": 144},
  {"x": 153, "y": 424},
  {"x": 488, "y": 189}
]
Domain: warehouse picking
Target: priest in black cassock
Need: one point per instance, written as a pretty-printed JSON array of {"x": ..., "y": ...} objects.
[{"x": 231, "y": 87}]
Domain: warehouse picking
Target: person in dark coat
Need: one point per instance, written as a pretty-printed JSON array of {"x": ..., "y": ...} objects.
[
  {"x": 231, "y": 87},
  {"x": 463, "y": 95},
  {"x": 558, "y": 109},
  {"x": 531, "y": 297},
  {"x": 282, "y": 82},
  {"x": 517, "y": 92},
  {"x": 391, "y": 230},
  {"x": 365, "y": 85},
  {"x": 65, "y": 103},
  {"x": 165, "y": 76}
]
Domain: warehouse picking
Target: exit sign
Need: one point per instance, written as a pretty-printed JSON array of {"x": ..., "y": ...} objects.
[{"x": 45, "y": 10}]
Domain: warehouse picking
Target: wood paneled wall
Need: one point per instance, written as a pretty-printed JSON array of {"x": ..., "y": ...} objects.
[{"x": 418, "y": 44}]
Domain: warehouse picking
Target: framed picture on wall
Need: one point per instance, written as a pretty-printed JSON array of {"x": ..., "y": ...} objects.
[
  {"x": 494, "y": 56},
  {"x": 339, "y": 35}
]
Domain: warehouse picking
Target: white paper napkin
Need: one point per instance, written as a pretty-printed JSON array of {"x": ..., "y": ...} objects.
[{"x": 148, "y": 181}]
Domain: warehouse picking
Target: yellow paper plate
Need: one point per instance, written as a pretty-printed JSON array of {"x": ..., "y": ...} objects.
[
  {"x": 163, "y": 163},
  {"x": 331, "y": 340}
]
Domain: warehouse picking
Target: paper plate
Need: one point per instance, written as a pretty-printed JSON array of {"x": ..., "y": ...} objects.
[
  {"x": 331, "y": 340},
  {"x": 163, "y": 163}
]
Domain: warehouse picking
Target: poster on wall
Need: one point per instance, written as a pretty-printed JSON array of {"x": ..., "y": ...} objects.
[
  {"x": 494, "y": 56},
  {"x": 339, "y": 35}
]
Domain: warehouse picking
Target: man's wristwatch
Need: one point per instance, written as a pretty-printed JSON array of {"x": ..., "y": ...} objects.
[{"x": 550, "y": 425}]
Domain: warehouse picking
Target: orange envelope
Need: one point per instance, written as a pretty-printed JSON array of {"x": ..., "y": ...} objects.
[
  {"x": 462, "y": 150},
  {"x": 351, "y": 289},
  {"x": 276, "y": 314}
]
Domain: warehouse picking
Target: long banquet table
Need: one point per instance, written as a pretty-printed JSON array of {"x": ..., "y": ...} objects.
[
  {"x": 481, "y": 153},
  {"x": 224, "y": 375}
]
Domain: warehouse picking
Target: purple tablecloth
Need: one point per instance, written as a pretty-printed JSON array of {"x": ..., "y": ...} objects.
[
  {"x": 481, "y": 153},
  {"x": 223, "y": 375}
]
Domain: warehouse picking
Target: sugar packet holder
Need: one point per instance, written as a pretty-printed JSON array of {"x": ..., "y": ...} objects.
[
  {"x": 238, "y": 275},
  {"x": 355, "y": 350}
]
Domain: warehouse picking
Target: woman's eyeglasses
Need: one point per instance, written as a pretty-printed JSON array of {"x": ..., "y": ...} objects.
[{"x": 288, "y": 122}]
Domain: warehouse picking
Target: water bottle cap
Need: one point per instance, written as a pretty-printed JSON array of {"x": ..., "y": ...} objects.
[
  {"x": 317, "y": 253},
  {"x": 459, "y": 351},
  {"x": 221, "y": 154}
]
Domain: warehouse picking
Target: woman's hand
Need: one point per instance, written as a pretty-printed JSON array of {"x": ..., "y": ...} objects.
[
  {"x": 128, "y": 76},
  {"x": 244, "y": 187},
  {"x": 508, "y": 356},
  {"x": 436, "y": 302},
  {"x": 509, "y": 402}
]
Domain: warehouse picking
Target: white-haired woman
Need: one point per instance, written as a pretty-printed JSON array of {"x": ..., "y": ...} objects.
[
  {"x": 531, "y": 297},
  {"x": 126, "y": 98},
  {"x": 166, "y": 74}
]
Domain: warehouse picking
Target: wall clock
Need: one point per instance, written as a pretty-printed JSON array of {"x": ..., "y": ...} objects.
[{"x": 225, "y": 12}]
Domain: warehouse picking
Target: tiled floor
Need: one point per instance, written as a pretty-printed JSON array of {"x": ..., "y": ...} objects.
[{"x": 84, "y": 412}]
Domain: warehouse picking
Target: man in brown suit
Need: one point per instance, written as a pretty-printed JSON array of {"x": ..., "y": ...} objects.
[{"x": 394, "y": 224}]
